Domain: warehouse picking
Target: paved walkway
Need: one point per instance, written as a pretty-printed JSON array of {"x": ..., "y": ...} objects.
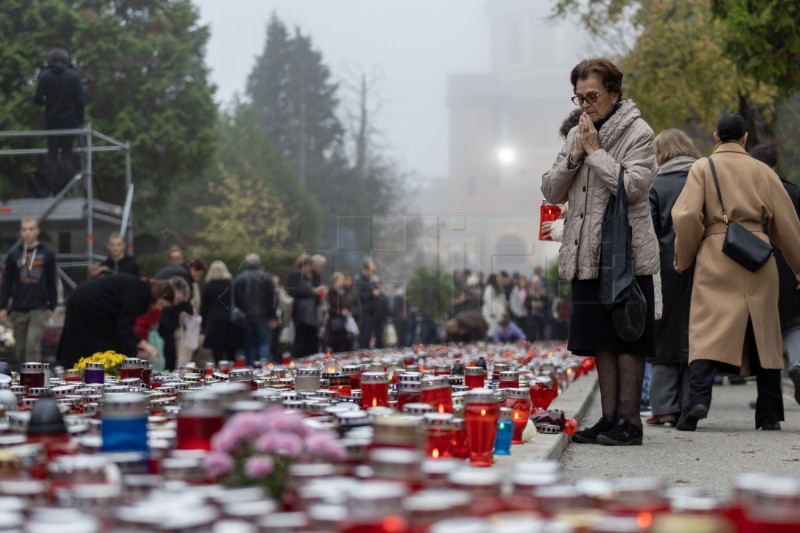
[{"x": 724, "y": 445}]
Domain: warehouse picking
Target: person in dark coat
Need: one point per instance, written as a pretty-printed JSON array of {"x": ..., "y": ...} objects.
[
  {"x": 221, "y": 337},
  {"x": 170, "y": 319},
  {"x": 255, "y": 295},
  {"x": 29, "y": 288},
  {"x": 304, "y": 311},
  {"x": 669, "y": 385},
  {"x": 61, "y": 92},
  {"x": 101, "y": 315},
  {"x": 337, "y": 337},
  {"x": 467, "y": 326},
  {"x": 374, "y": 311},
  {"x": 118, "y": 260},
  {"x": 788, "y": 299}
]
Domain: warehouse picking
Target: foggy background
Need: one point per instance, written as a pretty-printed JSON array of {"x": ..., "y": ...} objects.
[{"x": 411, "y": 44}]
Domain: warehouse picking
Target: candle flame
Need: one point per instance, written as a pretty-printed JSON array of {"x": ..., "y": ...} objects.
[
  {"x": 644, "y": 520},
  {"x": 516, "y": 415},
  {"x": 435, "y": 453},
  {"x": 441, "y": 408},
  {"x": 374, "y": 402},
  {"x": 483, "y": 412},
  {"x": 331, "y": 370}
]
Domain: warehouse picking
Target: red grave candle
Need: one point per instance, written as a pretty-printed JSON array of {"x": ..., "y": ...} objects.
[
  {"x": 475, "y": 377},
  {"x": 547, "y": 213},
  {"x": 541, "y": 393},
  {"x": 374, "y": 389},
  {"x": 436, "y": 393},
  {"x": 439, "y": 435},
  {"x": 199, "y": 419},
  {"x": 509, "y": 379},
  {"x": 408, "y": 392},
  {"x": 481, "y": 414},
  {"x": 518, "y": 400}
]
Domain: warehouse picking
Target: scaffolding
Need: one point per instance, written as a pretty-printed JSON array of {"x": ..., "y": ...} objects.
[{"x": 72, "y": 212}]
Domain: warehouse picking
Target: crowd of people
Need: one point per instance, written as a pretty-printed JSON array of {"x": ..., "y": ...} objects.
[
  {"x": 703, "y": 312},
  {"x": 715, "y": 316},
  {"x": 187, "y": 305}
]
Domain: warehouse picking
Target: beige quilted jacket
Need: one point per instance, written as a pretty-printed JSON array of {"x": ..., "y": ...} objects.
[{"x": 625, "y": 140}]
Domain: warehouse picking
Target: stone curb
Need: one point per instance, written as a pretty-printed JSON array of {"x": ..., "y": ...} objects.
[{"x": 574, "y": 402}]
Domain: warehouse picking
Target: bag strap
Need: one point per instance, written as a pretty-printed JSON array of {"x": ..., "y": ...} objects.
[
  {"x": 233, "y": 302},
  {"x": 621, "y": 182},
  {"x": 719, "y": 194}
]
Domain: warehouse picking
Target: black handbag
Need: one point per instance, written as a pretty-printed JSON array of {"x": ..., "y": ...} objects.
[
  {"x": 337, "y": 325},
  {"x": 619, "y": 290},
  {"x": 237, "y": 318},
  {"x": 740, "y": 243}
]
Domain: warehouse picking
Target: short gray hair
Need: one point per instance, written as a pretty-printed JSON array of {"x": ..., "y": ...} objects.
[
  {"x": 317, "y": 259},
  {"x": 252, "y": 261}
]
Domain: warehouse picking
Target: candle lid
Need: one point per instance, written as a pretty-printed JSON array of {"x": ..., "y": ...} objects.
[
  {"x": 241, "y": 374},
  {"x": 517, "y": 394},
  {"x": 409, "y": 376},
  {"x": 509, "y": 375},
  {"x": 417, "y": 409},
  {"x": 308, "y": 372},
  {"x": 506, "y": 413},
  {"x": 438, "y": 420},
  {"x": 409, "y": 386},
  {"x": 123, "y": 403},
  {"x": 475, "y": 371},
  {"x": 351, "y": 370},
  {"x": 481, "y": 396},
  {"x": 435, "y": 382},
  {"x": 32, "y": 367},
  {"x": 374, "y": 377}
]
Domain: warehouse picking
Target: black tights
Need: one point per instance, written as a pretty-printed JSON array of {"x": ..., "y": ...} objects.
[{"x": 620, "y": 377}]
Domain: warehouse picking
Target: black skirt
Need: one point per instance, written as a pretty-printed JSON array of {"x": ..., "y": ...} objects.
[{"x": 591, "y": 329}]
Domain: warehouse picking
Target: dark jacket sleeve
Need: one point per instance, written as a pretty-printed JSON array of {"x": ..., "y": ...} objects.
[
  {"x": 50, "y": 280},
  {"x": 298, "y": 289},
  {"x": 271, "y": 295},
  {"x": 126, "y": 325},
  {"x": 9, "y": 274},
  {"x": 207, "y": 294}
]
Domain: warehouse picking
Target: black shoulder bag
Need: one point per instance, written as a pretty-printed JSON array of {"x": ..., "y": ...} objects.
[
  {"x": 619, "y": 290},
  {"x": 740, "y": 243}
]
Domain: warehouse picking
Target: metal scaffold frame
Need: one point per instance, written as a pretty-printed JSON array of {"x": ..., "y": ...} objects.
[{"x": 86, "y": 134}]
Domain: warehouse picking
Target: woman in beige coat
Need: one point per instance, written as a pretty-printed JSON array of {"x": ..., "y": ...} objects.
[
  {"x": 734, "y": 325},
  {"x": 610, "y": 134}
]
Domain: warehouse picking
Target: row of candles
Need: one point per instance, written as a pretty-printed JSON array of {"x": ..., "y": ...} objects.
[{"x": 136, "y": 421}]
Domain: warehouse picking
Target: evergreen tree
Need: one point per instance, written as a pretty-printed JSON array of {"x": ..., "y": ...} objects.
[
  {"x": 143, "y": 64},
  {"x": 295, "y": 102}
]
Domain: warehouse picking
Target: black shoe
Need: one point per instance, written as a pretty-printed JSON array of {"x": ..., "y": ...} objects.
[
  {"x": 688, "y": 421},
  {"x": 752, "y": 404},
  {"x": 794, "y": 375},
  {"x": 589, "y": 435},
  {"x": 622, "y": 434},
  {"x": 737, "y": 380},
  {"x": 771, "y": 427}
]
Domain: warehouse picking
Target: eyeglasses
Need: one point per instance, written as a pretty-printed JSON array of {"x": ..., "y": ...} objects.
[{"x": 590, "y": 97}]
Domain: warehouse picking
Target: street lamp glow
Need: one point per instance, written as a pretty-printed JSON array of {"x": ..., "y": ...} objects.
[{"x": 506, "y": 155}]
